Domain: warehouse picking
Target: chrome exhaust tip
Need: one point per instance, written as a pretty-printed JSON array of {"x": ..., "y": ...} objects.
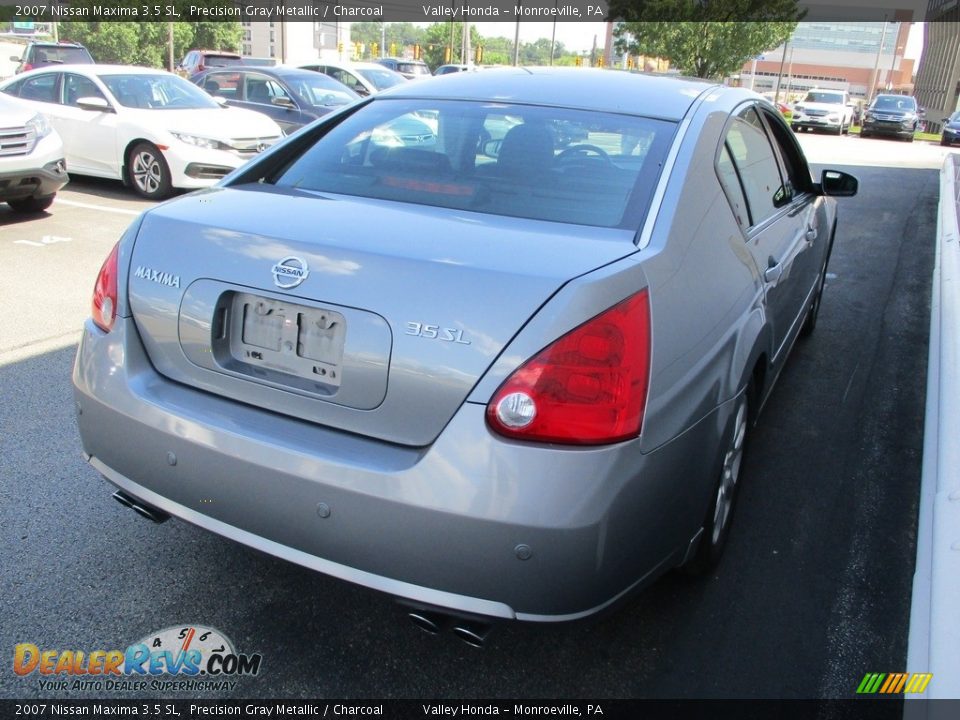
[
  {"x": 141, "y": 508},
  {"x": 428, "y": 622},
  {"x": 473, "y": 634}
]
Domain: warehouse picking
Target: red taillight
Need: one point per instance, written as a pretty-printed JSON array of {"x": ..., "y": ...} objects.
[
  {"x": 104, "y": 308},
  {"x": 587, "y": 388}
]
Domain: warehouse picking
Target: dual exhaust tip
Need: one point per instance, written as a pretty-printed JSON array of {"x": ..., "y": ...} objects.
[
  {"x": 141, "y": 508},
  {"x": 471, "y": 632}
]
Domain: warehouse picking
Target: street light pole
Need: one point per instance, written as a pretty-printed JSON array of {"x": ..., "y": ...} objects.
[
  {"x": 516, "y": 42},
  {"x": 876, "y": 66}
]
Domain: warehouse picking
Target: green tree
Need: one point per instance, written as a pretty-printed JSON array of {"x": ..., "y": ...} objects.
[
  {"x": 147, "y": 43},
  {"x": 403, "y": 35},
  {"x": 437, "y": 39},
  {"x": 705, "y": 10},
  {"x": 702, "y": 49},
  {"x": 705, "y": 38}
]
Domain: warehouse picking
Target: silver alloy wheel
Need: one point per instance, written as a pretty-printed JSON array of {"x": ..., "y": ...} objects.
[
  {"x": 730, "y": 474},
  {"x": 147, "y": 172}
]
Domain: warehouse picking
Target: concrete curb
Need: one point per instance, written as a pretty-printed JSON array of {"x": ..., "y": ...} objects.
[{"x": 934, "y": 641}]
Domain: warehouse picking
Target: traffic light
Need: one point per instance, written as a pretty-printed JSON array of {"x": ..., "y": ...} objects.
[
  {"x": 340, "y": 48},
  {"x": 579, "y": 61},
  {"x": 600, "y": 61},
  {"x": 374, "y": 50},
  {"x": 393, "y": 49},
  {"x": 479, "y": 55},
  {"x": 417, "y": 51},
  {"x": 447, "y": 54},
  {"x": 629, "y": 63}
]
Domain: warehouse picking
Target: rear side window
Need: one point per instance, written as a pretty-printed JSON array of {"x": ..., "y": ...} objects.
[
  {"x": 756, "y": 165},
  {"x": 522, "y": 161},
  {"x": 41, "y": 87}
]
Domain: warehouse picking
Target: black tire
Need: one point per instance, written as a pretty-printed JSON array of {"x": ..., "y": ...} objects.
[
  {"x": 31, "y": 204},
  {"x": 945, "y": 143},
  {"x": 910, "y": 138},
  {"x": 810, "y": 322},
  {"x": 864, "y": 133},
  {"x": 716, "y": 524},
  {"x": 148, "y": 173}
]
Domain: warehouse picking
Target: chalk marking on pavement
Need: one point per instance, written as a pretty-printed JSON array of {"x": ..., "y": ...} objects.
[{"x": 90, "y": 206}]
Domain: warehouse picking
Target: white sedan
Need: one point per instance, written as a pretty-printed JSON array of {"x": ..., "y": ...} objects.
[{"x": 149, "y": 128}]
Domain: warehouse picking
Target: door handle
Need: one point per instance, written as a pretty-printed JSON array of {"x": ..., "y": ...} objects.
[
  {"x": 811, "y": 234},
  {"x": 773, "y": 273}
]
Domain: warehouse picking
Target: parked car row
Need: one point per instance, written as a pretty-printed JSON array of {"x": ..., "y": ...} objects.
[{"x": 149, "y": 128}]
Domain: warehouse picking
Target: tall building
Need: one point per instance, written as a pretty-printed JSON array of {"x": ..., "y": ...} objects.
[
  {"x": 296, "y": 42},
  {"x": 938, "y": 79},
  {"x": 860, "y": 57}
]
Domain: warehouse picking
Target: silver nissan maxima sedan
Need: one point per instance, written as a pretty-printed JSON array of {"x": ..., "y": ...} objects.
[{"x": 490, "y": 343}]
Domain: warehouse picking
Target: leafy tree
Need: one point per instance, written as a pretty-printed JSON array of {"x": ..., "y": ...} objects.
[
  {"x": 401, "y": 34},
  {"x": 702, "y": 49},
  {"x": 705, "y": 10},
  {"x": 437, "y": 38},
  {"x": 147, "y": 43},
  {"x": 706, "y": 38}
]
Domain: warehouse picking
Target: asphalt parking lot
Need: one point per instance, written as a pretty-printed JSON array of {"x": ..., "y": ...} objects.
[{"x": 813, "y": 593}]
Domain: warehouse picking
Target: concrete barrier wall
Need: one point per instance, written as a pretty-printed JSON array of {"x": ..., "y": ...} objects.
[{"x": 934, "y": 644}]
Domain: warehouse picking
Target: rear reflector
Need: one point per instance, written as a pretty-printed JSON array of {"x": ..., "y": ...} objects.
[
  {"x": 589, "y": 387},
  {"x": 104, "y": 306}
]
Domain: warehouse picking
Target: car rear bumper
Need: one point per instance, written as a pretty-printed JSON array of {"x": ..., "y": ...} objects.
[{"x": 473, "y": 524}]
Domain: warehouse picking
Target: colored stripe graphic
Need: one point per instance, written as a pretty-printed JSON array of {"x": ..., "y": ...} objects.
[
  {"x": 893, "y": 683},
  {"x": 918, "y": 682},
  {"x": 870, "y": 683}
]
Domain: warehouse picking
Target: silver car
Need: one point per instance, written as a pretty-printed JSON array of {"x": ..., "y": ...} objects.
[{"x": 491, "y": 374}]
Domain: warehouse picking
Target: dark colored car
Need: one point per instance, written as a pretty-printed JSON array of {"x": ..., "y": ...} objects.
[
  {"x": 41, "y": 54},
  {"x": 197, "y": 61},
  {"x": 951, "y": 130},
  {"x": 410, "y": 69},
  {"x": 897, "y": 115},
  {"x": 291, "y": 97}
]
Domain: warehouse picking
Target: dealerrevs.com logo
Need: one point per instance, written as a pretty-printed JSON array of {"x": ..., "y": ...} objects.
[{"x": 183, "y": 657}]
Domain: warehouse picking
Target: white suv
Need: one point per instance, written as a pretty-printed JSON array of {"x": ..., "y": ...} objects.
[
  {"x": 32, "y": 168},
  {"x": 824, "y": 110}
]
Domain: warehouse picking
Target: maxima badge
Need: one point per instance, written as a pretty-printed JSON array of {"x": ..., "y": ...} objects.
[{"x": 290, "y": 272}]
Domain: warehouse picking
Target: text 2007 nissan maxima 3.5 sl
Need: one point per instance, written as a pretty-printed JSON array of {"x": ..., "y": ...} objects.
[{"x": 429, "y": 346}]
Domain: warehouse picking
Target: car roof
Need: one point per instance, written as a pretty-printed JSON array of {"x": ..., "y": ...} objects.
[{"x": 595, "y": 89}]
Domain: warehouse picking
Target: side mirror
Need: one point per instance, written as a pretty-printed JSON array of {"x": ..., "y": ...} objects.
[
  {"x": 94, "y": 104},
  {"x": 220, "y": 100},
  {"x": 836, "y": 183},
  {"x": 284, "y": 102},
  {"x": 922, "y": 112},
  {"x": 15, "y": 58}
]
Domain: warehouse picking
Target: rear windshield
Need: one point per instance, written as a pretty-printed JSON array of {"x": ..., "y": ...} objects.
[
  {"x": 413, "y": 68},
  {"x": 541, "y": 163},
  {"x": 381, "y": 79},
  {"x": 221, "y": 60},
  {"x": 59, "y": 54},
  {"x": 825, "y": 97}
]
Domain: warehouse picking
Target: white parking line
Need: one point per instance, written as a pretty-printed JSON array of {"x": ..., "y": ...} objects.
[{"x": 90, "y": 206}]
